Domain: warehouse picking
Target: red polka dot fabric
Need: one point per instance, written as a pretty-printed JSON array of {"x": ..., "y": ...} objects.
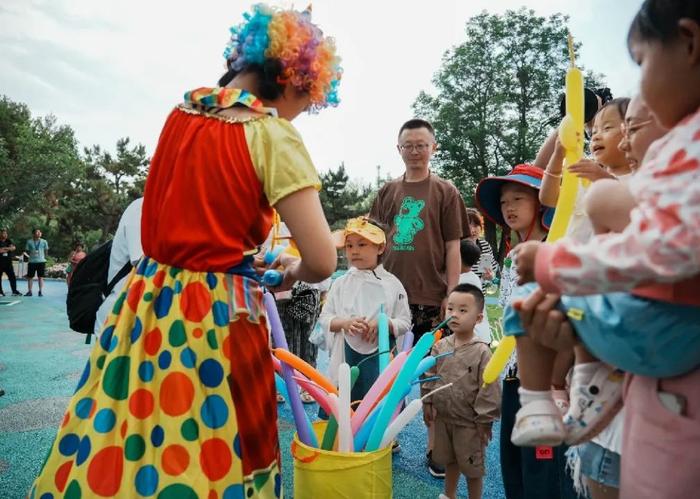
[{"x": 177, "y": 399}]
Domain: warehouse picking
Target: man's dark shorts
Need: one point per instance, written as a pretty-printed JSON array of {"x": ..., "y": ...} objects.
[{"x": 37, "y": 269}]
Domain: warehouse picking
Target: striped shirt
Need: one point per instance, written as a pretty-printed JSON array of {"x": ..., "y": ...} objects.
[{"x": 485, "y": 261}]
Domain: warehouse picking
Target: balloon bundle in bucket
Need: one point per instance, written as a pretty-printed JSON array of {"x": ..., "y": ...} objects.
[{"x": 379, "y": 416}]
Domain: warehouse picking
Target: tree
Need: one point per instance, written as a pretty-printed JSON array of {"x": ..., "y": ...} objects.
[
  {"x": 91, "y": 205},
  {"x": 46, "y": 183},
  {"x": 342, "y": 199},
  {"x": 497, "y": 96},
  {"x": 36, "y": 155}
]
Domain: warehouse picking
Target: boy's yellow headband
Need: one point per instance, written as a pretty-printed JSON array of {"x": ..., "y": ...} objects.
[{"x": 363, "y": 228}]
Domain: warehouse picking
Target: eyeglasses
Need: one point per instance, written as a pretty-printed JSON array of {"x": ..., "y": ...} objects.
[
  {"x": 629, "y": 130},
  {"x": 414, "y": 147}
]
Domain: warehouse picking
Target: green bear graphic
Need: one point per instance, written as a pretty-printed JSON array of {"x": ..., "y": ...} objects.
[{"x": 408, "y": 223}]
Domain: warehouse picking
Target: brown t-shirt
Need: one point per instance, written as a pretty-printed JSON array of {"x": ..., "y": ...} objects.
[{"x": 421, "y": 216}]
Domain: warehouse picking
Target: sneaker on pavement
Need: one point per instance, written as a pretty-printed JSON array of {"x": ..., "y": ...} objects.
[
  {"x": 2, "y": 293},
  {"x": 594, "y": 403},
  {"x": 538, "y": 423},
  {"x": 28, "y": 293},
  {"x": 16, "y": 293},
  {"x": 435, "y": 469},
  {"x": 40, "y": 293}
]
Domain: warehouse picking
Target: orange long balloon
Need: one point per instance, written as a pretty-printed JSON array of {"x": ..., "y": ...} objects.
[{"x": 305, "y": 368}]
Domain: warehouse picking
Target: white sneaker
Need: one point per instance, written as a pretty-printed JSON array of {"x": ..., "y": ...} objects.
[
  {"x": 538, "y": 423},
  {"x": 594, "y": 404},
  {"x": 443, "y": 496}
]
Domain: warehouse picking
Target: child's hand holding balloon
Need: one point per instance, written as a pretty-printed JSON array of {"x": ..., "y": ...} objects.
[{"x": 524, "y": 254}]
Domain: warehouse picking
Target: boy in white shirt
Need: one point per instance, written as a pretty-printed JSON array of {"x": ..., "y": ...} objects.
[{"x": 471, "y": 254}]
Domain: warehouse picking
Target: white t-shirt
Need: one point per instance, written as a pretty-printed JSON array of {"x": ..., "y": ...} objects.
[
  {"x": 126, "y": 247},
  {"x": 580, "y": 228},
  {"x": 359, "y": 293},
  {"x": 482, "y": 329}
]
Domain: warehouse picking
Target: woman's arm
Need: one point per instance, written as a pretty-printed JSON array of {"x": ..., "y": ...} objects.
[
  {"x": 546, "y": 151},
  {"x": 551, "y": 181},
  {"x": 303, "y": 214}
]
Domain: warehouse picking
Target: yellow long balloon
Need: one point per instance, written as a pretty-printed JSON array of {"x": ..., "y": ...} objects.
[
  {"x": 571, "y": 137},
  {"x": 497, "y": 362}
]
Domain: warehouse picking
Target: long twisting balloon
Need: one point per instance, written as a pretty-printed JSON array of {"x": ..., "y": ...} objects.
[{"x": 571, "y": 137}]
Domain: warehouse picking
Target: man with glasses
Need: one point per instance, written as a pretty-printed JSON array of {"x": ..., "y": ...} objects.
[{"x": 427, "y": 220}]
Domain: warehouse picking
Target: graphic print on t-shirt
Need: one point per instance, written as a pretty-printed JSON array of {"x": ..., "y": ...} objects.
[{"x": 408, "y": 223}]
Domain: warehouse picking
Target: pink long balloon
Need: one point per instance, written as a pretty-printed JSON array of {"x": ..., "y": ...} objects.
[
  {"x": 318, "y": 395},
  {"x": 314, "y": 390},
  {"x": 375, "y": 391}
]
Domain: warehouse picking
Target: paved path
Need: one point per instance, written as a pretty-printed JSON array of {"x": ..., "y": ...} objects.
[{"x": 41, "y": 361}]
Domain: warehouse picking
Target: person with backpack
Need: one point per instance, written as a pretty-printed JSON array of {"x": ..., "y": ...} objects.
[
  {"x": 126, "y": 249},
  {"x": 98, "y": 278}
]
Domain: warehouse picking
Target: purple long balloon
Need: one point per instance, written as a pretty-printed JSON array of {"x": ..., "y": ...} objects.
[
  {"x": 280, "y": 341},
  {"x": 407, "y": 341}
]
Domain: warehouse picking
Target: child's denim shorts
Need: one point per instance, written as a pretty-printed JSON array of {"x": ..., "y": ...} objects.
[
  {"x": 638, "y": 335},
  {"x": 600, "y": 464}
]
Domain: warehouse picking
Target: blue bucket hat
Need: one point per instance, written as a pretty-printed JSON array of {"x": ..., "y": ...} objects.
[{"x": 488, "y": 193}]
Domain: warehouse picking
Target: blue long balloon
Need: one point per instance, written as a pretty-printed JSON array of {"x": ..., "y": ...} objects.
[
  {"x": 383, "y": 335},
  {"x": 395, "y": 395},
  {"x": 363, "y": 433},
  {"x": 428, "y": 363}
]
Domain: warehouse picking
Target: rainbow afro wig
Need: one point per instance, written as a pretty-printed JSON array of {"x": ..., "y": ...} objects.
[{"x": 308, "y": 58}]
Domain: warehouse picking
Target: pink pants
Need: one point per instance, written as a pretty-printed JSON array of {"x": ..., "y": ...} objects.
[{"x": 661, "y": 449}]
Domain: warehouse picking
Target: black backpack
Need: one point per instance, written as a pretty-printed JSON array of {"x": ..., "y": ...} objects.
[{"x": 89, "y": 288}]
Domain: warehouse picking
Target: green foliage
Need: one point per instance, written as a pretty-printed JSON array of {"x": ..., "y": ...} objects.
[
  {"x": 497, "y": 96},
  {"x": 36, "y": 156},
  {"x": 342, "y": 199},
  {"x": 47, "y": 183}
]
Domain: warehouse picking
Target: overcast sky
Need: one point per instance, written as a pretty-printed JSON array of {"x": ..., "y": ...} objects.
[{"x": 115, "y": 69}]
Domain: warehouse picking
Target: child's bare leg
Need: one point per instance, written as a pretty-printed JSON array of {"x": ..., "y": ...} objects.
[
  {"x": 563, "y": 362},
  {"x": 608, "y": 205},
  {"x": 538, "y": 422},
  {"x": 474, "y": 487},
  {"x": 451, "y": 480},
  {"x": 535, "y": 364},
  {"x": 583, "y": 356}
]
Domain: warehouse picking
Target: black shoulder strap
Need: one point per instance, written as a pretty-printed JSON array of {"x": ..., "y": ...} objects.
[{"x": 123, "y": 272}]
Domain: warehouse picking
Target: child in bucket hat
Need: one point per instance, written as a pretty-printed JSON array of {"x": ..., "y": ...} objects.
[
  {"x": 526, "y": 180},
  {"x": 512, "y": 202}
]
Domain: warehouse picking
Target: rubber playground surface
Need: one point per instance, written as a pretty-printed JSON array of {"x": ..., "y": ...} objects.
[{"x": 41, "y": 361}]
